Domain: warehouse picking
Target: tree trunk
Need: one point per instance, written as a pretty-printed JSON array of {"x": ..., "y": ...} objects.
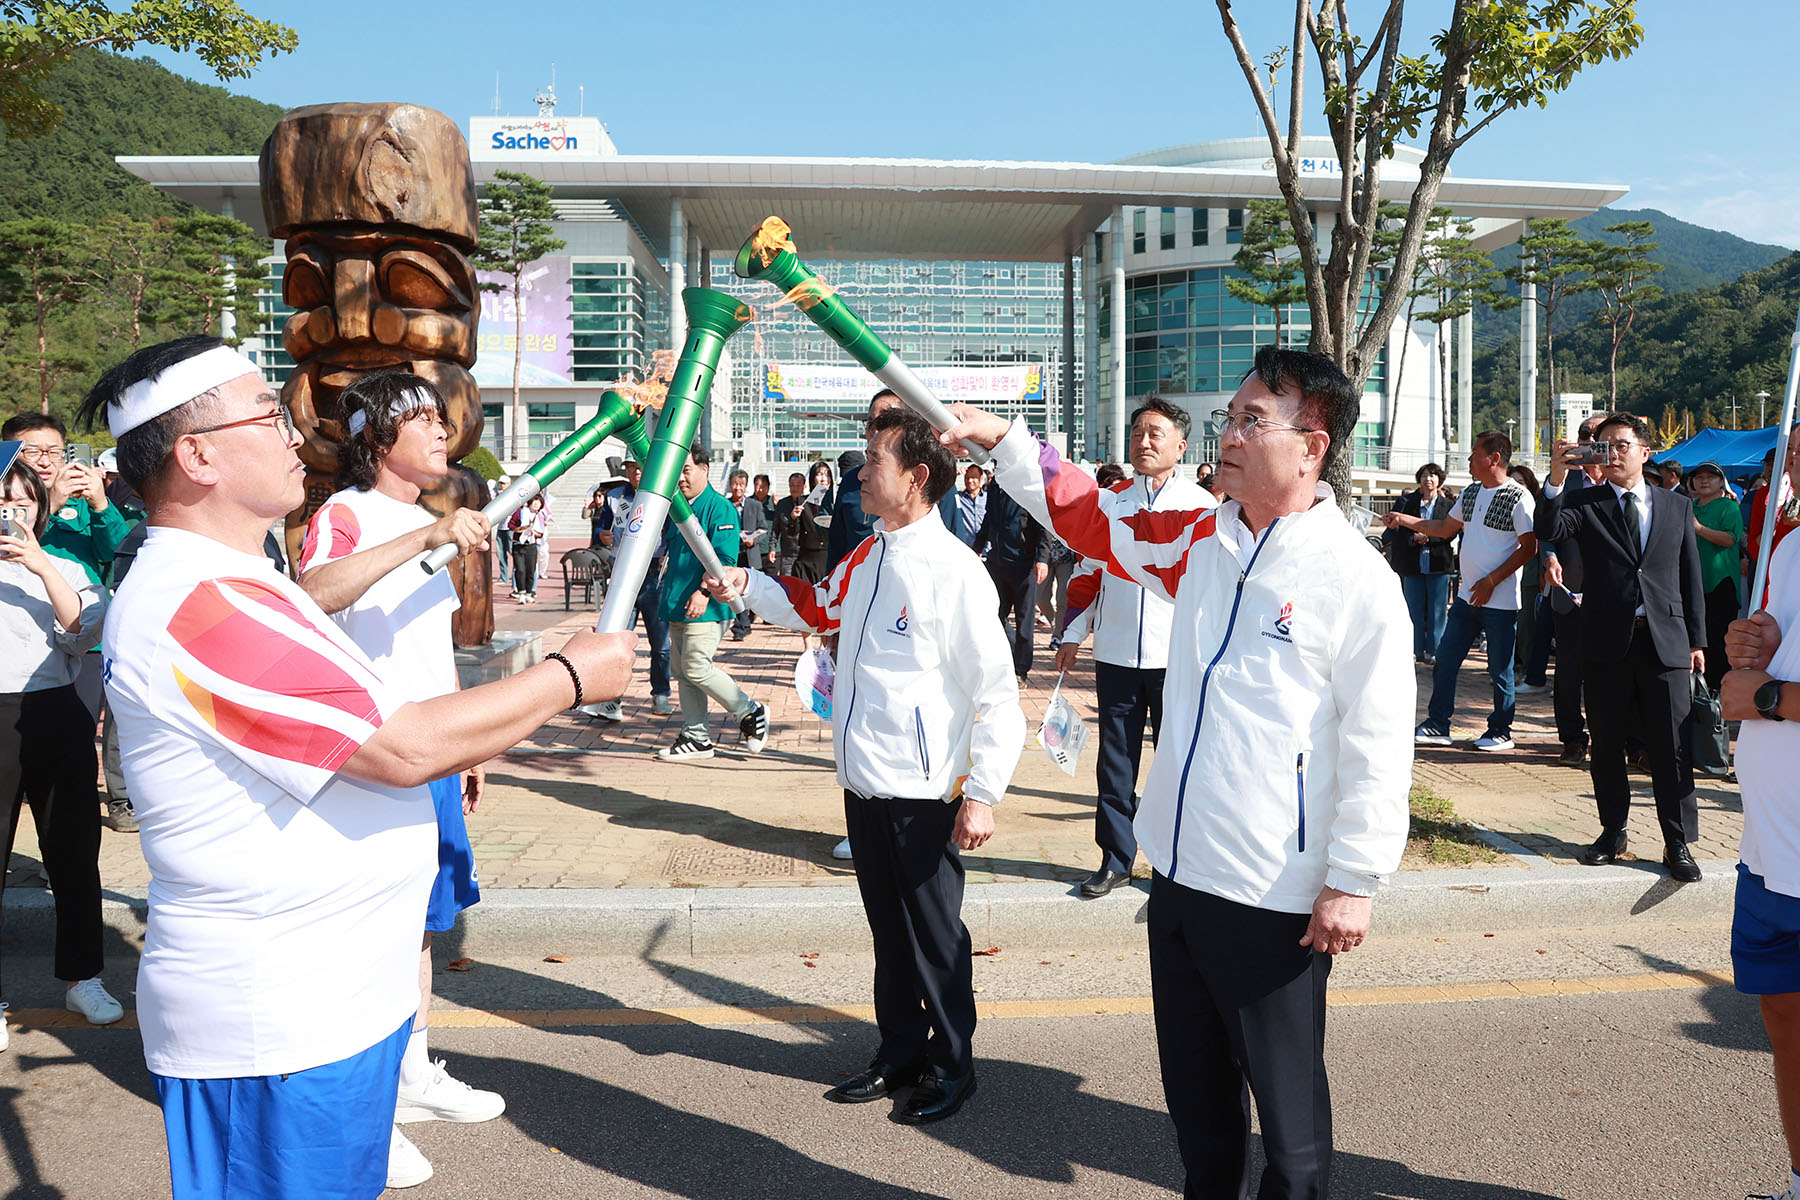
[
  {"x": 43, "y": 347},
  {"x": 518, "y": 418}
]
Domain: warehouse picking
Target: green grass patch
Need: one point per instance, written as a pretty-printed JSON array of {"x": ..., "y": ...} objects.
[{"x": 1440, "y": 838}]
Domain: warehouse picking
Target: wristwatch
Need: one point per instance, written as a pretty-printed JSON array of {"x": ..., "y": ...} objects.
[{"x": 1768, "y": 699}]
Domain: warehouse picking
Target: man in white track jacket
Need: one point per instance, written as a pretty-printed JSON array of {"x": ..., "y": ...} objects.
[
  {"x": 928, "y": 729},
  {"x": 1278, "y": 796}
]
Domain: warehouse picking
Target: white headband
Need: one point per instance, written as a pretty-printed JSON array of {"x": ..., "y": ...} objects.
[
  {"x": 150, "y": 398},
  {"x": 408, "y": 401}
]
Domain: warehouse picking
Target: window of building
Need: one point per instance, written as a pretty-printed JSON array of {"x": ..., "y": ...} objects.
[
  {"x": 1137, "y": 231},
  {"x": 1199, "y": 227},
  {"x": 1234, "y": 225},
  {"x": 1168, "y": 229}
]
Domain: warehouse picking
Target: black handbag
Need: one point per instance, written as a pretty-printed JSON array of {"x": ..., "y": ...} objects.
[{"x": 1710, "y": 742}]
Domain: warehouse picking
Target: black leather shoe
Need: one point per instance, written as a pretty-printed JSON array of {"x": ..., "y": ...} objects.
[
  {"x": 1572, "y": 756},
  {"x": 1606, "y": 848},
  {"x": 1681, "y": 864},
  {"x": 934, "y": 1099},
  {"x": 1102, "y": 882},
  {"x": 881, "y": 1079}
]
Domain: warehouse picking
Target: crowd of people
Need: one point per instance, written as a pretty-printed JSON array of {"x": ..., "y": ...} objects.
[{"x": 295, "y": 750}]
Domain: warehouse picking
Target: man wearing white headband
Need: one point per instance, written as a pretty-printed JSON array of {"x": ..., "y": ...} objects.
[
  {"x": 281, "y": 789},
  {"x": 360, "y": 562}
]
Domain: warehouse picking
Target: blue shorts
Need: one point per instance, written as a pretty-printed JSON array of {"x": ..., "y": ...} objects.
[
  {"x": 318, "y": 1134},
  {"x": 455, "y": 887},
  {"x": 1765, "y": 938}
]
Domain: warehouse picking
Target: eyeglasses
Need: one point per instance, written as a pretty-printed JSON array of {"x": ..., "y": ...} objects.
[
  {"x": 1619, "y": 447},
  {"x": 41, "y": 453},
  {"x": 1246, "y": 424},
  {"x": 284, "y": 421}
]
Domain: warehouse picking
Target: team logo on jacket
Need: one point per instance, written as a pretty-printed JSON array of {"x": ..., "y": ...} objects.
[
  {"x": 899, "y": 625},
  {"x": 1282, "y": 626}
]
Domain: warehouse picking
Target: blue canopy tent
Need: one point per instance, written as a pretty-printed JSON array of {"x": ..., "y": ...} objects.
[{"x": 1739, "y": 451}]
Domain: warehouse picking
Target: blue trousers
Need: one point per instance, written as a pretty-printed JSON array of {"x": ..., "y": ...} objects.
[
  {"x": 1127, "y": 696},
  {"x": 1462, "y": 628},
  {"x": 1426, "y": 597}
]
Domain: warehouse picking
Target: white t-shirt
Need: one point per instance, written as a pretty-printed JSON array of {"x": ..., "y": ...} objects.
[
  {"x": 285, "y": 899},
  {"x": 403, "y": 621},
  {"x": 1492, "y": 518},
  {"x": 1768, "y": 750}
]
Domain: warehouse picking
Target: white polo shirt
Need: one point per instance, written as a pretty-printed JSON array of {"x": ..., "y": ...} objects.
[
  {"x": 285, "y": 899},
  {"x": 1768, "y": 750},
  {"x": 403, "y": 621}
]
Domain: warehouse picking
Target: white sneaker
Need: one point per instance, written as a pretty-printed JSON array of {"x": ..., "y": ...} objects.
[
  {"x": 1531, "y": 689},
  {"x": 4, "y": 1037},
  {"x": 91, "y": 999},
  {"x": 606, "y": 710},
  {"x": 660, "y": 706},
  {"x": 442, "y": 1098},
  {"x": 1488, "y": 741},
  {"x": 841, "y": 851},
  {"x": 406, "y": 1166},
  {"x": 1425, "y": 735},
  {"x": 755, "y": 728}
]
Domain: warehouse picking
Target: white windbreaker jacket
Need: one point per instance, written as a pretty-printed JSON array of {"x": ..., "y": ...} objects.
[
  {"x": 1286, "y": 748},
  {"x": 926, "y": 705},
  {"x": 1129, "y": 623}
]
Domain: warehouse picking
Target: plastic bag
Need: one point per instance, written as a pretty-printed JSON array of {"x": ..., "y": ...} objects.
[
  {"x": 1063, "y": 735},
  {"x": 814, "y": 676}
]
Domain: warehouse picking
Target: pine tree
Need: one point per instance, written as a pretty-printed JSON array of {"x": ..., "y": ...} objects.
[
  {"x": 1274, "y": 280},
  {"x": 1556, "y": 261},
  {"x": 45, "y": 268},
  {"x": 1621, "y": 274}
]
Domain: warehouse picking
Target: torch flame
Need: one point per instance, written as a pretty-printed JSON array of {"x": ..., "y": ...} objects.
[
  {"x": 809, "y": 292},
  {"x": 772, "y": 237},
  {"x": 651, "y": 392}
]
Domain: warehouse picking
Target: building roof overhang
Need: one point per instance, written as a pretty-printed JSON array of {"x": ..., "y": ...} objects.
[{"x": 864, "y": 208}]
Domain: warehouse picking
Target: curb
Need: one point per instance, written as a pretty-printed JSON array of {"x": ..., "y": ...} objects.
[{"x": 703, "y": 921}]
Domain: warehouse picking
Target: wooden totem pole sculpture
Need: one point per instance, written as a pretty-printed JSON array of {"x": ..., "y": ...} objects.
[{"x": 377, "y": 206}]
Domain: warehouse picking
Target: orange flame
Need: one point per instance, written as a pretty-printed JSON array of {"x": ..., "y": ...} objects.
[
  {"x": 651, "y": 392},
  {"x": 772, "y": 237}
]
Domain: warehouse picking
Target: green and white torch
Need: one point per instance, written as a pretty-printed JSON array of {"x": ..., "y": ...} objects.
[
  {"x": 616, "y": 416},
  {"x": 686, "y": 523},
  {"x": 769, "y": 255},
  {"x": 712, "y": 318}
]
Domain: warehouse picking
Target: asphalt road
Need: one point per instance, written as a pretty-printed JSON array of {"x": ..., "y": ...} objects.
[{"x": 631, "y": 1079}]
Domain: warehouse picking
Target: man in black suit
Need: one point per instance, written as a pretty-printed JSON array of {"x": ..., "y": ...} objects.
[
  {"x": 1562, "y": 567},
  {"x": 1643, "y": 626}
]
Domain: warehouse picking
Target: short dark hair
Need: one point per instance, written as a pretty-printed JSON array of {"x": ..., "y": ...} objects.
[
  {"x": 1584, "y": 432},
  {"x": 1109, "y": 474},
  {"x": 24, "y": 474},
  {"x": 1639, "y": 427},
  {"x": 144, "y": 451},
  {"x": 918, "y": 446},
  {"x": 761, "y": 478},
  {"x": 1428, "y": 469},
  {"x": 700, "y": 454},
  {"x": 738, "y": 473},
  {"x": 1328, "y": 400},
  {"x": 376, "y": 397},
  {"x": 884, "y": 392},
  {"x": 25, "y": 422},
  {"x": 800, "y": 475},
  {"x": 1177, "y": 415},
  {"x": 1492, "y": 441}
]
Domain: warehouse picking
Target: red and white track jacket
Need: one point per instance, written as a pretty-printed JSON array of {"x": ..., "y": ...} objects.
[
  {"x": 1286, "y": 748},
  {"x": 926, "y": 705},
  {"x": 1129, "y": 623}
]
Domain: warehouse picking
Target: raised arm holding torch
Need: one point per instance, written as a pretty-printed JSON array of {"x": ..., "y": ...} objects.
[
  {"x": 769, "y": 255},
  {"x": 1778, "y": 480}
]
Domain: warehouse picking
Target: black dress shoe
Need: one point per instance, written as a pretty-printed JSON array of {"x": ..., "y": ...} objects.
[
  {"x": 881, "y": 1079},
  {"x": 1572, "y": 756},
  {"x": 1681, "y": 864},
  {"x": 1606, "y": 848},
  {"x": 935, "y": 1098},
  {"x": 1102, "y": 882}
]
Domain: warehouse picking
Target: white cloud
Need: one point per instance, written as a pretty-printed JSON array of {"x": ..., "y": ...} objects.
[{"x": 1720, "y": 194}]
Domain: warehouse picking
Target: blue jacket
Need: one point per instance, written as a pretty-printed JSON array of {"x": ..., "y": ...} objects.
[{"x": 850, "y": 524}]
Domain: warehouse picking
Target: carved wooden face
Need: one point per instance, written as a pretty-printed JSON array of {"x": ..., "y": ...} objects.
[{"x": 370, "y": 299}]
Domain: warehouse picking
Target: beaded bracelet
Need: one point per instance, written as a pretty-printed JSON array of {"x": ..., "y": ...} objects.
[{"x": 572, "y": 675}]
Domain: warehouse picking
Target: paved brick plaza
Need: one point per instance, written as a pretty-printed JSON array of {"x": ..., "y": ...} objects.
[{"x": 586, "y": 805}]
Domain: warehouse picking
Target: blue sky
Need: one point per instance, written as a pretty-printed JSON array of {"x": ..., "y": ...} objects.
[{"x": 1700, "y": 122}]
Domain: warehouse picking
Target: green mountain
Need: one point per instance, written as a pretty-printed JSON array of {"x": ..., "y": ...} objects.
[
  {"x": 119, "y": 105},
  {"x": 1687, "y": 352}
]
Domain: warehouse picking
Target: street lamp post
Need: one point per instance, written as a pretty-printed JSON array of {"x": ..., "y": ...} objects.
[
  {"x": 1734, "y": 408},
  {"x": 1762, "y": 402},
  {"x": 1510, "y": 422}
]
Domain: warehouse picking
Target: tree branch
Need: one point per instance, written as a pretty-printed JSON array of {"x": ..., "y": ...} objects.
[{"x": 1594, "y": 37}]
